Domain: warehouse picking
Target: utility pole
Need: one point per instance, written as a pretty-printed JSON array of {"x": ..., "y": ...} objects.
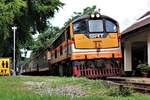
[{"x": 14, "y": 28}]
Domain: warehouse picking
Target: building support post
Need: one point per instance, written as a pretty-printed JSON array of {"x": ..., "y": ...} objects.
[{"x": 127, "y": 57}]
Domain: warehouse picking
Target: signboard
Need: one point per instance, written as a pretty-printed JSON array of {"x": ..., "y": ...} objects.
[{"x": 4, "y": 66}]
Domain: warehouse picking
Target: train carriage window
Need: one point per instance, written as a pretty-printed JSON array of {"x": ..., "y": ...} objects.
[
  {"x": 110, "y": 26},
  {"x": 80, "y": 27},
  {"x": 96, "y": 26},
  {"x": 59, "y": 40},
  {"x": 55, "y": 53},
  {"x": 61, "y": 50},
  {"x": 48, "y": 48}
]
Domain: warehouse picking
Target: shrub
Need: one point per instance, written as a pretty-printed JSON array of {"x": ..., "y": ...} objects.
[
  {"x": 120, "y": 91},
  {"x": 143, "y": 67}
]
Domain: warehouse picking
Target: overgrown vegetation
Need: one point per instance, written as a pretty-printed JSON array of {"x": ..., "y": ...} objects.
[{"x": 61, "y": 88}]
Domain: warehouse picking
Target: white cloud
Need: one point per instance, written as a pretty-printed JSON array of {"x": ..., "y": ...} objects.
[{"x": 124, "y": 11}]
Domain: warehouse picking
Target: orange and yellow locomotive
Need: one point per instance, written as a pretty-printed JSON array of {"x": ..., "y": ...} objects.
[{"x": 89, "y": 46}]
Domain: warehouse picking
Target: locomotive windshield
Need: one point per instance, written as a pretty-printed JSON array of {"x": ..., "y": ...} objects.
[
  {"x": 95, "y": 26},
  {"x": 98, "y": 26}
]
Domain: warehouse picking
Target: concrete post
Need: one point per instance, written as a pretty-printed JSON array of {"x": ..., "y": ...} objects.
[
  {"x": 14, "y": 28},
  {"x": 127, "y": 57}
]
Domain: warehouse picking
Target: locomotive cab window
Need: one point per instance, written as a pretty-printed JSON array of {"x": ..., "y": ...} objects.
[
  {"x": 96, "y": 26},
  {"x": 110, "y": 26},
  {"x": 80, "y": 27}
]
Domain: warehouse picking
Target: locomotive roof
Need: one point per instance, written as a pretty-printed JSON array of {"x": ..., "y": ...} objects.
[{"x": 88, "y": 16}]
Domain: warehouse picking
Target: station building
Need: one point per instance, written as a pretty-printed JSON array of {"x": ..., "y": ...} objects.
[{"x": 136, "y": 43}]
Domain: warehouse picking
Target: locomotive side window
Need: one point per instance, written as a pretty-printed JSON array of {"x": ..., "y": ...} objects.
[
  {"x": 110, "y": 26},
  {"x": 68, "y": 33},
  {"x": 80, "y": 27},
  {"x": 96, "y": 26}
]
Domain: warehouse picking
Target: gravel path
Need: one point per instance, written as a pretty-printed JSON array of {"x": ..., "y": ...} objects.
[{"x": 43, "y": 88}]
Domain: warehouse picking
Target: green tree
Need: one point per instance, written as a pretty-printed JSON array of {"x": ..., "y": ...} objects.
[
  {"x": 30, "y": 16},
  {"x": 9, "y": 10}
]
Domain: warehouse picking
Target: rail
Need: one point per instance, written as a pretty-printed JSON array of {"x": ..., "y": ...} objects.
[{"x": 140, "y": 86}]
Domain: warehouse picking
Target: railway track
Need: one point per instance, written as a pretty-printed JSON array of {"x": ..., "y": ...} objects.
[{"x": 135, "y": 85}]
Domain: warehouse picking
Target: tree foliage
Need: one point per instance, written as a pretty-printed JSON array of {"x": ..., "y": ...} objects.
[
  {"x": 9, "y": 11},
  {"x": 29, "y": 16},
  {"x": 86, "y": 11},
  {"x": 45, "y": 38},
  {"x": 40, "y": 11}
]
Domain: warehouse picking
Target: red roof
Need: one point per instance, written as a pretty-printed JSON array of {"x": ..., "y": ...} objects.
[{"x": 142, "y": 21}]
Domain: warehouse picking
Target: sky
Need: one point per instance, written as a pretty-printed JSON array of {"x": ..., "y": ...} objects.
[{"x": 126, "y": 12}]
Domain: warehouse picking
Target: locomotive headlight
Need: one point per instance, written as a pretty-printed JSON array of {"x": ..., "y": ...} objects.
[
  {"x": 97, "y": 15},
  {"x": 92, "y": 15}
]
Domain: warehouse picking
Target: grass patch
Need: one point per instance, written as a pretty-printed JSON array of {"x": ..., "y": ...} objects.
[{"x": 62, "y": 88}]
